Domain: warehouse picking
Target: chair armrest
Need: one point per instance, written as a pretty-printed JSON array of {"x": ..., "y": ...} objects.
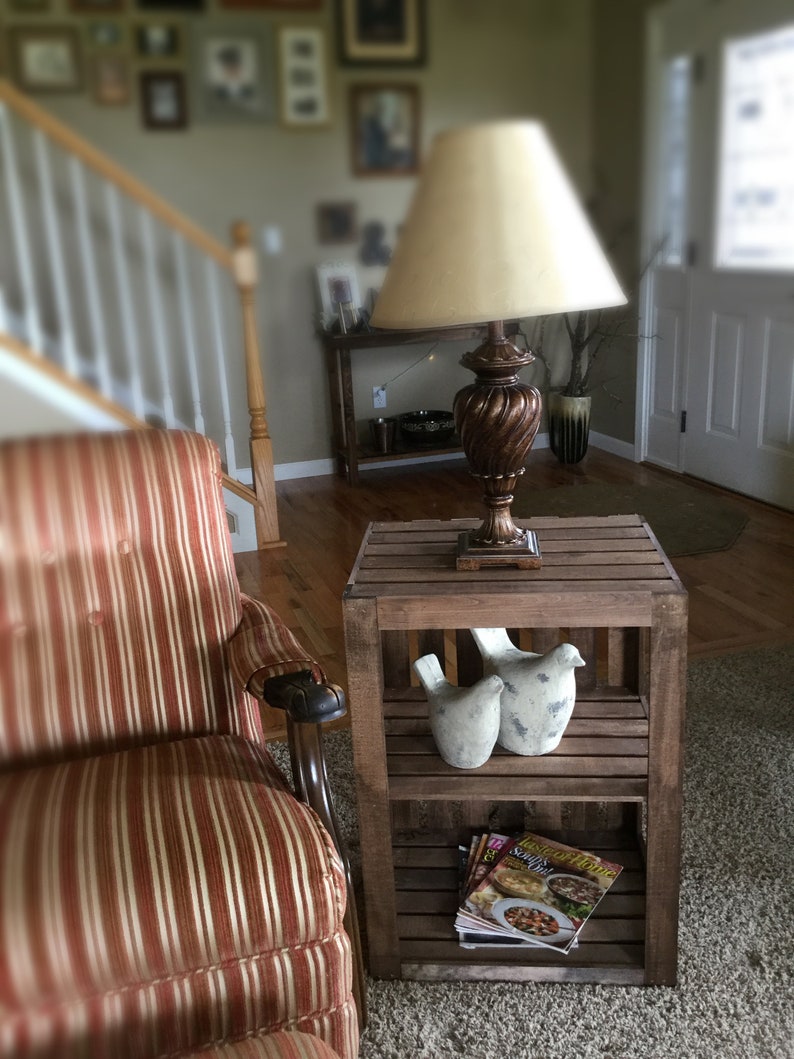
[
  {"x": 303, "y": 699},
  {"x": 263, "y": 648}
]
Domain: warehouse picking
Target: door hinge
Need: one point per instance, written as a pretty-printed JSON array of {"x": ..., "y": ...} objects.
[
  {"x": 683, "y": 422},
  {"x": 691, "y": 253}
]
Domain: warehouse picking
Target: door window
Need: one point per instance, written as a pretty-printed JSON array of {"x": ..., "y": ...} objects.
[{"x": 755, "y": 220}]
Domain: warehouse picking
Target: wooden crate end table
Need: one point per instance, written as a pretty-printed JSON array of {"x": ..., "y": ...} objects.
[{"x": 606, "y": 586}]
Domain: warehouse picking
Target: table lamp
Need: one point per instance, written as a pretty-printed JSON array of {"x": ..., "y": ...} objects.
[{"x": 495, "y": 232}]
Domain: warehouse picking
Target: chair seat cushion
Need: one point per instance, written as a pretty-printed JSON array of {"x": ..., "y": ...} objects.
[
  {"x": 281, "y": 1045},
  {"x": 163, "y": 899}
]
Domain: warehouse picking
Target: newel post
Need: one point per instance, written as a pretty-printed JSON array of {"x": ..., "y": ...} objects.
[{"x": 246, "y": 276}]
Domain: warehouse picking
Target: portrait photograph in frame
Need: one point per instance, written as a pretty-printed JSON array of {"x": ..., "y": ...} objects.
[
  {"x": 157, "y": 40},
  {"x": 105, "y": 34},
  {"x": 336, "y": 222},
  {"x": 163, "y": 100},
  {"x": 45, "y": 58},
  {"x": 234, "y": 72},
  {"x": 110, "y": 77},
  {"x": 384, "y": 125},
  {"x": 303, "y": 77},
  {"x": 381, "y": 32},
  {"x": 337, "y": 285}
]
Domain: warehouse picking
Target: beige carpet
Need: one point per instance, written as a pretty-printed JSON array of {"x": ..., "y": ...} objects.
[
  {"x": 686, "y": 520},
  {"x": 734, "y": 997}
]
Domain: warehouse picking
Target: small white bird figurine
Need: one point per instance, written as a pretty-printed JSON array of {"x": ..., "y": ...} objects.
[
  {"x": 539, "y": 691},
  {"x": 464, "y": 721}
]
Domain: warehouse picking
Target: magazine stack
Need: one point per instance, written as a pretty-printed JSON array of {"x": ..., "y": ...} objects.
[{"x": 528, "y": 890}]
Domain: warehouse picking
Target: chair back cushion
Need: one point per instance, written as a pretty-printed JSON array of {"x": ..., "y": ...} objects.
[{"x": 117, "y": 595}]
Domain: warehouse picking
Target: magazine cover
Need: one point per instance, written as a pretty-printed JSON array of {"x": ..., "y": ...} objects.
[
  {"x": 475, "y": 863},
  {"x": 539, "y": 891}
]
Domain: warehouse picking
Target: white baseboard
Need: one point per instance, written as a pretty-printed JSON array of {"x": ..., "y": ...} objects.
[{"x": 614, "y": 445}]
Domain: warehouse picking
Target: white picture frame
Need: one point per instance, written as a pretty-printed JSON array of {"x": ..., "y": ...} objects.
[{"x": 303, "y": 77}]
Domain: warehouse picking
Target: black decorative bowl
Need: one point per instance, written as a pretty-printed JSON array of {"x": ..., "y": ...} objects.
[{"x": 427, "y": 427}]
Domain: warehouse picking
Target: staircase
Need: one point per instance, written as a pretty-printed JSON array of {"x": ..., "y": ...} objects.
[{"x": 115, "y": 303}]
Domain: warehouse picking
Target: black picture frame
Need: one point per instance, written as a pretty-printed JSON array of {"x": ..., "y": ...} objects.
[
  {"x": 381, "y": 32},
  {"x": 163, "y": 100}
]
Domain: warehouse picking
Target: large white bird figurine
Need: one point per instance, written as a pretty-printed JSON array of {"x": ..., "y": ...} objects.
[
  {"x": 539, "y": 691},
  {"x": 464, "y": 721}
]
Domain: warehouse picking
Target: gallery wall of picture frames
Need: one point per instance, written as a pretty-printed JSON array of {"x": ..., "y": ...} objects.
[{"x": 241, "y": 61}]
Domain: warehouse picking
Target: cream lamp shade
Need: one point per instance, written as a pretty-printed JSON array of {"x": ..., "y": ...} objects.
[{"x": 495, "y": 232}]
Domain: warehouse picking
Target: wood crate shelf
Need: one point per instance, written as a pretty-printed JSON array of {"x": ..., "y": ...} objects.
[{"x": 606, "y": 587}]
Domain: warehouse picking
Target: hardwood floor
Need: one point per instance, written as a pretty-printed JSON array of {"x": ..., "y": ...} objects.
[{"x": 738, "y": 598}]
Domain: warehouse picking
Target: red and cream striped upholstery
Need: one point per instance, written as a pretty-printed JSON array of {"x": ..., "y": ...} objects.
[
  {"x": 282, "y": 1045},
  {"x": 161, "y": 890}
]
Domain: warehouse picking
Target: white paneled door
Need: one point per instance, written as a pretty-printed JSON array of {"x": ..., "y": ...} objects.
[{"x": 716, "y": 377}]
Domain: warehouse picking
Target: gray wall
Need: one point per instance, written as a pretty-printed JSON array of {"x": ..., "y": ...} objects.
[{"x": 551, "y": 59}]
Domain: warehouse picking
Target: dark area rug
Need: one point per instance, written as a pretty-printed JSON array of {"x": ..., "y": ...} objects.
[
  {"x": 733, "y": 998},
  {"x": 686, "y": 520}
]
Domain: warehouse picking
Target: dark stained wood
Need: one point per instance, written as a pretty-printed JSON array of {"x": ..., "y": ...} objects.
[{"x": 606, "y": 756}]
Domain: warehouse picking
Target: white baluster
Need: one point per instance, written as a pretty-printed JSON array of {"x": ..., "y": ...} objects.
[
  {"x": 128, "y": 319},
  {"x": 94, "y": 301},
  {"x": 188, "y": 329},
  {"x": 64, "y": 340},
  {"x": 157, "y": 315},
  {"x": 20, "y": 235},
  {"x": 216, "y": 316}
]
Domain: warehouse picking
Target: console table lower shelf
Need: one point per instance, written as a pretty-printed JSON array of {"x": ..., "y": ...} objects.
[{"x": 611, "y": 949}]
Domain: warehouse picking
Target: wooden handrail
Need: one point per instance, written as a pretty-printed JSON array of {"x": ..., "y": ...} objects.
[
  {"x": 114, "y": 173},
  {"x": 94, "y": 397}
]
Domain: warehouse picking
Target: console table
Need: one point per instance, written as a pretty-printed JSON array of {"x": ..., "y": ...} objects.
[
  {"x": 338, "y": 349},
  {"x": 606, "y": 586}
]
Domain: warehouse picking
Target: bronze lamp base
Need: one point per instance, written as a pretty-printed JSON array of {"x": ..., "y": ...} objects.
[{"x": 497, "y": 418}]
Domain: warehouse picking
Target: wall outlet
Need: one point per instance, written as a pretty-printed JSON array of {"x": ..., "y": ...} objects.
[{"x": 378, "y": 396}]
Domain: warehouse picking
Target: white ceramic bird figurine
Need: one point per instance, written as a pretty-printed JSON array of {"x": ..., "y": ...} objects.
[
  {"x": 539, "y": 691},
  {"x": 464, "y": 721}
]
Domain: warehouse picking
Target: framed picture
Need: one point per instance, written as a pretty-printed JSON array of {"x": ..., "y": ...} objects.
[
  {"x": 372, "y": 32},
  {"x": 234, "y": 72},
  {"x": 385, "y": 129},
  {"x": 95, "y": 7},
  {"x": 303, "y": 77},
  {"x": 24, "y": 6},
  {"x": 157, "y": 40},
  {"x": 45, "y": 58},
  {"x": 105, "y": 34},
  {"x": 111, "y": 80},
  {"x": 336, "y": 222},
  {"x": 340, "y": 300},
  {"x": 163, "y": 100},
  {"x": 170, "y": 6},
  {"x": 273, "y": 5}
]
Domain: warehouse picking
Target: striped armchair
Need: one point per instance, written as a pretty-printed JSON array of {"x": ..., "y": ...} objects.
[{"x": 162, "y": 890}]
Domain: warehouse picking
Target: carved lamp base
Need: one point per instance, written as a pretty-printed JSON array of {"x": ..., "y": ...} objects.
[{"x": 497, "y": 418}]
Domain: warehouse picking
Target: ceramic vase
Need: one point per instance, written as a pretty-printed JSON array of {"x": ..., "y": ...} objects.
[
  {"x": 464, "y": 721},
  {"x": 539, "y": 691},
  {"x": 569, "y": 426}
]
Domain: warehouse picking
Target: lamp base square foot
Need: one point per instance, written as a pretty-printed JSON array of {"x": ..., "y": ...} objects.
[{"x": 525, "y": 555}]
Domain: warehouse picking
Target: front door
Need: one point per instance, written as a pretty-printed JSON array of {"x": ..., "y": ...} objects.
[{"x": 718, "y": 370}]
